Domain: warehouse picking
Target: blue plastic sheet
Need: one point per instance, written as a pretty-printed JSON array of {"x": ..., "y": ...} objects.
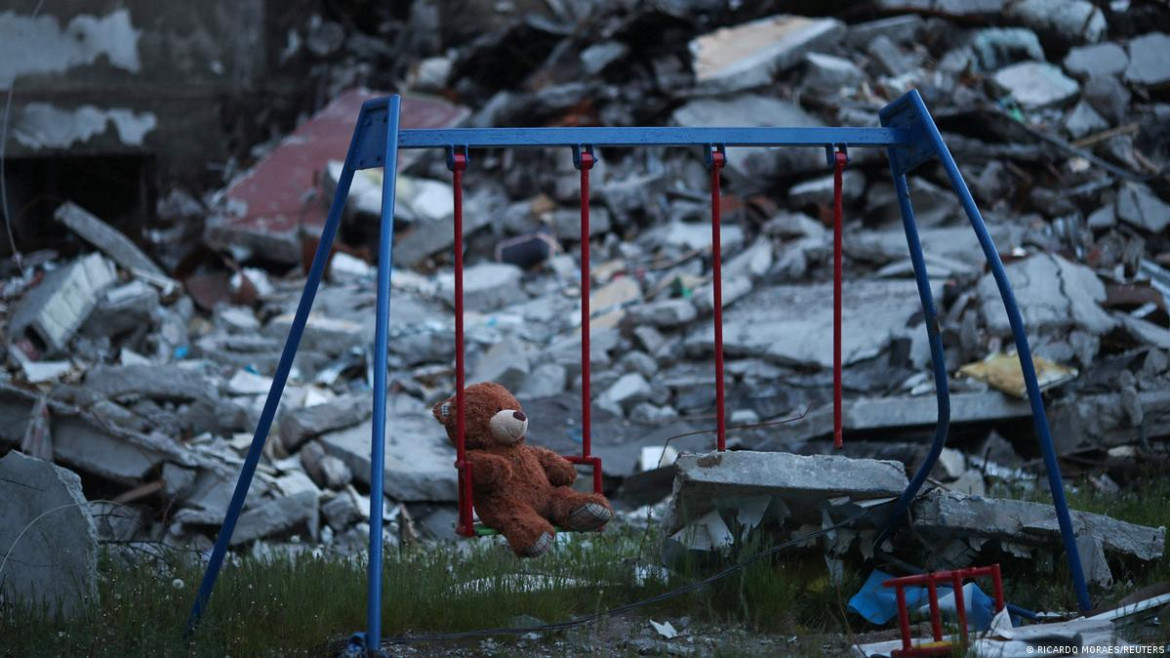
[{"x": 879, "y": 605}]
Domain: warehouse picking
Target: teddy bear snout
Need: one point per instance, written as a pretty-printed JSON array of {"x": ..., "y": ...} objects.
[{"x": 509, "y": 426}]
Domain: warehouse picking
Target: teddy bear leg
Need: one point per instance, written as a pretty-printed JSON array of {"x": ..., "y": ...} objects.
[
  {"x": 528, "y": 533},
  {"x": 575, "y": 510}
]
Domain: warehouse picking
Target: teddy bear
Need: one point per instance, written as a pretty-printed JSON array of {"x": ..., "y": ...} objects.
[{"x": 519, "y": 490}]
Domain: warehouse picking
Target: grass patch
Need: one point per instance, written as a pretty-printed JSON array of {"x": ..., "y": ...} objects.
[{"x": 304, "y": 605}]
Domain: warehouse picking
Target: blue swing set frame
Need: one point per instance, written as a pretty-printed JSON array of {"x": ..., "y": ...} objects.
[{"x": 907, "y": 133}]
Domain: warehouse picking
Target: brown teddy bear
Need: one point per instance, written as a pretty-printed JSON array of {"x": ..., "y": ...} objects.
[{"x": 520, "y": 490}]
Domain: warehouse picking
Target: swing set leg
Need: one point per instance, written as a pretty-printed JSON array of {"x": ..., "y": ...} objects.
[
  {"x": 910, "y": 113},
  {"x": 248, "y": 471}
]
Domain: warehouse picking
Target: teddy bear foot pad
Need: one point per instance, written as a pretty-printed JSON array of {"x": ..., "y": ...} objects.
[
  {"x": 541, "y": 546},
  {"x": 589, "y": 516}
]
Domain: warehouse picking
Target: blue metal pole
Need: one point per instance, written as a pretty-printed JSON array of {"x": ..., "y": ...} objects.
[
  {"x": 937, "y": 358},
  {"x": 381, "y": 339},
  {"x": 1039, "y": 417},
  {"x": 328, "y": 232}
]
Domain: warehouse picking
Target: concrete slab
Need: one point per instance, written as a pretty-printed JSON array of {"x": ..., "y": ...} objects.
[
  {"x": 55, "y": 560},
  {"x": 420, "y": 462},
  {"x": 703, "y": 481}
]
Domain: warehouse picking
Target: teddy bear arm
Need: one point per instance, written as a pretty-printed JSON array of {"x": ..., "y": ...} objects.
[
  {"x": 488, "y": 471},
  {"x": 560, "y": 471}
]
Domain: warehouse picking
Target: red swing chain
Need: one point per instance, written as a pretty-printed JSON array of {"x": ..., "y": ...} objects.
[
  {"x": 458, "y": 163},
  {"x": 840, "y": 159},
  {"x": 584, "y": 161},
  {"x": 717, "y": 159}
]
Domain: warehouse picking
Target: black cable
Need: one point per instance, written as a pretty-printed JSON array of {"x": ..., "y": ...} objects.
[{"x": 622, "y": 609}]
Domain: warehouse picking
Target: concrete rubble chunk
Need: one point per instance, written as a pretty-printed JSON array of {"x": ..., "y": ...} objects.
[
  {"x": 418, "y": 456},
  {"x": 1100, "y": 421},
  {"x": 1036, "y": 85},
  {"x": 54, "y": 310},
  {"x": 1149, "y": 60},
  {"x": 628, "y": 390},
  {"x": 326, "y": 470},
  {"x": 282, "y": 515},
  {"x": 801, "y": 482},
  {"x": 748, "y": 110},
  {"x": 1074, "y": 21},
  {"x": 766, "y": 323},
  {"x": 948, "y": 514},
  {"x": 1052, "y": 293},
  {"x": 1084, "y": 120},
  {"x": 89, "y": 443},
  {"x": 299, "y": 425},
  {"x": 486, "y": 287},
  {"x": 830, "y": 72},
  {"x": 112, "y": 243},
  {"x": 1138, "y": 206},
  {"x": 546, "y": 380},
  {"x": 888, "y": 57},
  {"x": 748, "y": 55},
  {"x": 819, "y": 191},
  {"x": 1109, "y": 97},
  {"x": 899, "y": 29},
  {"x": 505, "y": 363},
  {"x": 162, "y": 382},
  {"x": 997, "y": 47},
  {"x": 1096, "y": 61},
  {"x": 668, "y": 313},
  {"x": 55, "y": 562}
]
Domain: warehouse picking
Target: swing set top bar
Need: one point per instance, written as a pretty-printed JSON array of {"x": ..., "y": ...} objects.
[
  {"x": 371, "y": 146},
  {"x": 681, "y": 136}
]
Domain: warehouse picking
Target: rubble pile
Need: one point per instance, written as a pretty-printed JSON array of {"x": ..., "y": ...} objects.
[{"x": 148, "y": 382}]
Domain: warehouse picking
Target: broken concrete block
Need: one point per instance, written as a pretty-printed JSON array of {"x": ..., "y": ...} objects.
[
  {"x": 793, "y": 324},
  {"x": 734, "y": 289},
  {"x": 1073, "y": 21},
  {"x": 703, "y": 482},
  {"x": 123, "y": 308},
  {"x": 111, "y": 242},
  {"x": 326, "y": 470},
  {"x": 1036, "y": 85},
  {"x": 283, "y": 515},
  {"x": 55, "y": 561},
  {"x": 1138, "y": 206},
  {"x": 486, "y": 287},
  {"x": 299, "y": 425},
  {"x": 505, "y": 363},
  {"x": 830, "y": 73},
  {"x": 1084, "y": 120},
  {"x": 341, "y": 511},
  {"x": 53, "y": 311},
  {"x": 1149, "y": 60},
  {"x": 948, "y": 514},
  {"x": 418, "y": 456},
  {"x": 1051, "y": 292},
  {"x": 665, "y": 313},
  {"x": 819, "y": 191},
  {"x": 997, "y": 47},
  {"x": 629, "y": 389},
  {"x": 88, "y": 443},
  {"x": 1096, "y": 61},
  {"x": 546, "y": 380},
  {"x": 163, "y": 382},
  {"x": 748, "y": 55},
  {"x": 1095, "y": 421}
]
